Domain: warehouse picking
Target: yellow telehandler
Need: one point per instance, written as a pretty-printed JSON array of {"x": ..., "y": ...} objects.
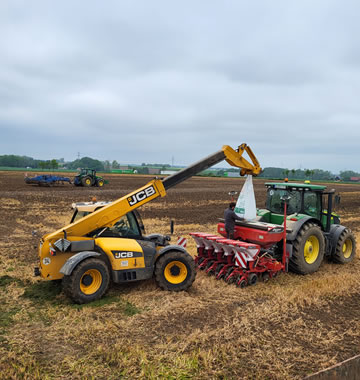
[{"x": 106, "y": 242}]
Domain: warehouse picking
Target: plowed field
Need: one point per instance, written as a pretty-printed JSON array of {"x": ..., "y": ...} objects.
[{"x": 285, "y": 329}]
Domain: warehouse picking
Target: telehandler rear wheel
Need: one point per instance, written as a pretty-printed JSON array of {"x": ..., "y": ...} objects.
[
  {"x": 175, "y": 271},
  {"x": 308, "y": 249},
  {"x": 88, "y": 282},
  {"x": 345, "y": 247}
]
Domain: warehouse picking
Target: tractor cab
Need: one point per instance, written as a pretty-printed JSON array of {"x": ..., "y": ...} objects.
[{"x": 305, "y": 200}]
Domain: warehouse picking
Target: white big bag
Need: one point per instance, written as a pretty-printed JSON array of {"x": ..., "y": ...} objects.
[{"x": 246, "y": 206}]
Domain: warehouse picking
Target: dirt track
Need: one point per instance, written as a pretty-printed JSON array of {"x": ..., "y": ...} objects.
[{"x": 331, "y": 323}]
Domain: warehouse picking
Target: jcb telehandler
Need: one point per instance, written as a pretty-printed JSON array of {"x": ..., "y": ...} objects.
[{"x": 109, "y": 244}]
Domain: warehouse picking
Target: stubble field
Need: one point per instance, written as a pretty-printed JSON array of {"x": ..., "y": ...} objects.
[{"x": 284, "y": 329}]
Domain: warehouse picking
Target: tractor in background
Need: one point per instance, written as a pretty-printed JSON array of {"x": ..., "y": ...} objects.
[{"x": 87, "y": 178}]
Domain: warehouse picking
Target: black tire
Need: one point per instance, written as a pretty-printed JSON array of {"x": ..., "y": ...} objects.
[
  {"x": 88, "y": 282},
  {"x": 308, "y": 249},
  {"x": 345, "y": 247},
  {"x": 233, "y": 279},
  {"x": 253, "y": 278},
  {"x": 228, "y": 273},
  {"x": 100, "y": 182},
  {"x": 175, "y": 271},
  {"x": 218, "y": 269},
  {"x": 208, "y": 265},
  {"x": 86, "y": 181}
]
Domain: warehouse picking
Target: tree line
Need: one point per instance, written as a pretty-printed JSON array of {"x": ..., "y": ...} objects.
[{"x": 14, "y": 161}]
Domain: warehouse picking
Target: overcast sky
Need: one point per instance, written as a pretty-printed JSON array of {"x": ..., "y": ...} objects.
[{"x": 161, "y": 81}]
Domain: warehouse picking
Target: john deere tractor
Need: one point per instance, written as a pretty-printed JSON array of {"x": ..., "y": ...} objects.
[
  {"x": 313, "y": 229},
  {"x": 87, "y": 177}
]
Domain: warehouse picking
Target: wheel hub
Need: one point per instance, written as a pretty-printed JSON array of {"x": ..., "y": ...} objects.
[
  {"x": 175, "y": 270},
  {"x": 87, "y": 280}
]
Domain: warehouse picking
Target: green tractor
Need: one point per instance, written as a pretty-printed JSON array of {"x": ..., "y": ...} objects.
[
  {"x": 313, "y": 229},
  {"x": 87, "y": 177}
]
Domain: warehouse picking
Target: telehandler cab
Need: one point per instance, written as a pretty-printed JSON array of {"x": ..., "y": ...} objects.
[{"x": 106, "y": 242}]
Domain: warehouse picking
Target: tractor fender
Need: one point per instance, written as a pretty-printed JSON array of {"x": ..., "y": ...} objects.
[
  {"x": 295, "y": 226},
  {"x": 334, "y": 234},
  {"x": 168, "y": 248},
  {"x": 73, "y": 261}
]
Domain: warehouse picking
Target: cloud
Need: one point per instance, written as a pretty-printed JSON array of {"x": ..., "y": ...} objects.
[{"x": 148, "y": 81}]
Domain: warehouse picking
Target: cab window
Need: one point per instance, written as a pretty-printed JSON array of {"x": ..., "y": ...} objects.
[
  {"x": 276, "y": 205},
  {"x": 312, "y": 204},
  {"x": 126, "y": 226}
]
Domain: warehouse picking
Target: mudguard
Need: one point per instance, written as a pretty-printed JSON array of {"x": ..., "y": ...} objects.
[
  {"x": 71, "y": 263},
  {"x": 334, "y": 234},
  {"x": 172, "y": 247},
  {"x": 295, "y": 226}
]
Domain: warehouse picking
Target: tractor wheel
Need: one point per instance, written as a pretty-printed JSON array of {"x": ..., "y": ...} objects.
[
  {"x": 345, "y": 247},
  {"x": 308, "y": 249},
  {"x": 86, "y": 181},
  {"x": 175, "y": 271},
  {"x": 100, "y": 182},
  {"x": 88, "y": 282}
]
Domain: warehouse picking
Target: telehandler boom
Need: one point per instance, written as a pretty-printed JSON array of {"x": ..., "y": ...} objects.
[{"x": 109, "y": 243}]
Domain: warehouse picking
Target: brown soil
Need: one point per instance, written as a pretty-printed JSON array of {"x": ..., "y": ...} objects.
[{"x": 300, "y": 335}]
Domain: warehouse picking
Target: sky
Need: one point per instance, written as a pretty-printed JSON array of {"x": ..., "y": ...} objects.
[{"x": 173, "y": 81}]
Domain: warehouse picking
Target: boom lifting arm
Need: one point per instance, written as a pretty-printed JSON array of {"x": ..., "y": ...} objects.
[{"x": 108, "y": 215}]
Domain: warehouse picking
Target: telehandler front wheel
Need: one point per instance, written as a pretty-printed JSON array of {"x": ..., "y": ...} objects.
[
  {"x": 175, "y": 271},
  {"x": 88, "y": 282},
  {"x": 345, "y": 247}
]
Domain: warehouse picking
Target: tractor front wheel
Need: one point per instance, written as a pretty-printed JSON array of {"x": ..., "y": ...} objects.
[
  {"x": 100, "y": 182},
  {"x": 345, "y": 247},
  {"x": 175, "y": 271},
  {"x": 88, "y": 282},
  {"x": 308, "y": 249}
]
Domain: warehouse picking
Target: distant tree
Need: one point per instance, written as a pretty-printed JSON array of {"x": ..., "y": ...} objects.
[
  {"x": 347, "y": 174},
  {"x": 286, "y": 172},
  {"x": 54, "y": 164},
  {"x": 115, "y": 165},
  {"x": 43, "y": 164},
  {"x": 107, "y": 165},
  {"x": 86, "y": 162}
]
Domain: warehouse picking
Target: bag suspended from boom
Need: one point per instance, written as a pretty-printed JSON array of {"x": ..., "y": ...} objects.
[{"x": 246, "y": 206}]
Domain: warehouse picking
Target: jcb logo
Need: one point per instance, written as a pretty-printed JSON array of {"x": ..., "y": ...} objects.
[
  {"x": 123, "y": 255},
  {"x": 141, "y": 195}
]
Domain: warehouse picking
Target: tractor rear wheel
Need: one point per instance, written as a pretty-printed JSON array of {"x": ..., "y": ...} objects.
[
  {"x": 86, "y": 181},
  {"x": 308, "y": 249},
  {"x": 175, "y": 271},
  {"x": 345, "y": 247},
  {"x": 88, "y": 282}
]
